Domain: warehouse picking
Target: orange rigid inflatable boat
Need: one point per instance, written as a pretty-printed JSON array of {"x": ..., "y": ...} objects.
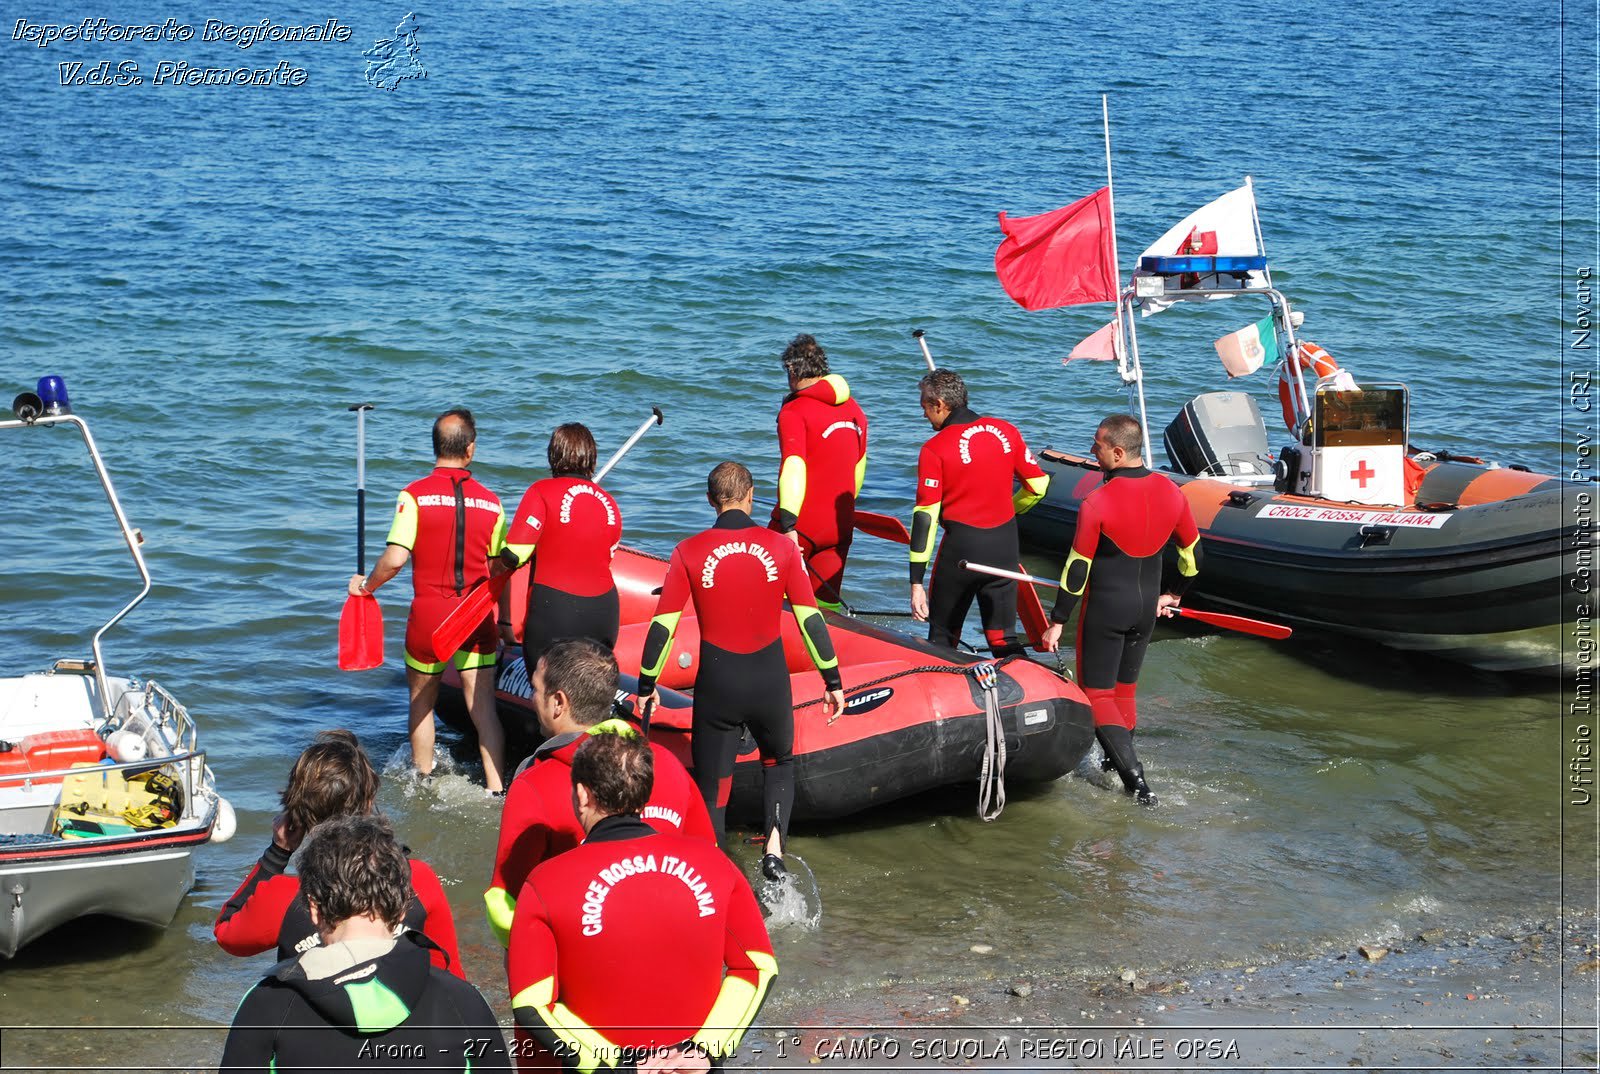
[{"x": 916, "y": 717}]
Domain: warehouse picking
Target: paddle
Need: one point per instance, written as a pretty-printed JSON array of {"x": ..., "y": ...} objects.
[
  {"x": 361, "y": 621},
  {"x": 461, "y": 622},
  {"x": 885, "y": 526},
  {"x": 1029, "y": 609},
  {"x": 1259, "y": 627}
]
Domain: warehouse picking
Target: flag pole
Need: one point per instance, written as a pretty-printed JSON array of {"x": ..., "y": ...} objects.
[
  {"x": 1123, "y": 351},
  {"x": 1288, "y": 322}
]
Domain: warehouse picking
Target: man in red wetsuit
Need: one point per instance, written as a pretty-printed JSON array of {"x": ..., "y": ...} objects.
[
  {"x": 738, "y": 575},
  {"x": 570, "y": 527},
  {"x": 822, "y": 444},
  {"x": 448, "y": 525},
  {"x": 574, "y": 685},
  {"x": 638, "y": 950},
  {"x": 1117, "y": 568},
  {"x": 964, "y": 483},
  {"x": 331, "y": 778}
]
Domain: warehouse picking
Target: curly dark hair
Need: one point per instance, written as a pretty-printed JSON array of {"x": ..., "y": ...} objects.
[
  {"x": 947, "y": 386},
  {"x": 804, "y": 357},
  {"x": 352, "y": 866}
]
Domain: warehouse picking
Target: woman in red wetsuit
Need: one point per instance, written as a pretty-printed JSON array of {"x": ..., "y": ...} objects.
[
  {"x": 331, "y": 778},
  {"x": 570, "y": 527}
]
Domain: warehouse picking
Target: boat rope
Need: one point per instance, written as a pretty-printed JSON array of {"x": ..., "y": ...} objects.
[{"x": 992, "y": 775}]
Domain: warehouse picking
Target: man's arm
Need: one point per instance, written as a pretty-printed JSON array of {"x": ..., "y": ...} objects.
[
  {"x": 813, "y": 630},
  {"x": 402, "y": 538},
  {"x": 1075, "y": 572},
  {"x": 535, "y": 1004},
  {"x": 1034, "y": 480},
  {"x": 251, "y": 919},
  {"x": 664, "y": 624},
  {"x": 251, "y": 1041},
  {"x": 751, "y": 966},
  {"x": 791, "y": 467},
  {"x": 1186, "y": 536},
  {"x": 925, "y": 515},
  {"x": 524, "y": 843}
]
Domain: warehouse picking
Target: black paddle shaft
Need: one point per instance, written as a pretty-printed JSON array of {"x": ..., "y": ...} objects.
[{"x": 361, "y": 485}]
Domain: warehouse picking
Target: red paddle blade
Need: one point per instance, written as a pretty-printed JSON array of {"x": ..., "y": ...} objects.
[
  {"x": 1031, "y": 610},
  {"x": 885, "y": 526},
  {"x": 467, "y": 616},
  {"x": 1258, "y": 627},
  {"x": 360, "y": 634}
]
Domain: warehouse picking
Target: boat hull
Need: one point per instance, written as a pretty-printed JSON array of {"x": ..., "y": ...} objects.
[
  {"x": 916, "y": 717},
  {"x": 1480, "y": 582}
]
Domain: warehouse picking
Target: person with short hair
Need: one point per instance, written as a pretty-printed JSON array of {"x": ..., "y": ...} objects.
[
  {"x": 570, "y": 527},
  {"x": 638, "y": 950},
  {"x": 331, "y": 778},
  {"x": 367, "y": 994},
  {"x": 574, "y": 687},
  {"x": 1118, "y": 569},
  {"x": 737, "y": 575},
  {"x": 965, "y": 475},
  {"x": 822, "y": 448},
  {"x": 447, "y": 526}
]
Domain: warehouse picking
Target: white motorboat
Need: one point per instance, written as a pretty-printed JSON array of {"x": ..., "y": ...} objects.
[{"x": 104, "y": 791}]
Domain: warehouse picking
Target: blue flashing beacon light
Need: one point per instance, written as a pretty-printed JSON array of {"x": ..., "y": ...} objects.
[{"x": 53, "y": 393}]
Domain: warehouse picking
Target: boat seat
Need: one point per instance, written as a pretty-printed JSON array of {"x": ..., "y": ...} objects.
[{"x": 1220, "y": 434}]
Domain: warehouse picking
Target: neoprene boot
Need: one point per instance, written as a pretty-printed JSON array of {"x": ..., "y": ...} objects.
[
  {"x": 772, "y": 867},
  {"x": 1118, "y": 744}
]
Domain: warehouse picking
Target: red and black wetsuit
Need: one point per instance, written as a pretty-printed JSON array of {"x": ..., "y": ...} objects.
[
  {"x": 633, "y": 941},
  {"x": 265, "y": 913},
  {"x": 451, "y": 525},
  {"x": 822, "y": 448},
  {"x": 738, "y": 575},
  {"x": 964, "y": 483},
  {"x": 538, "y": 823},
  {"x": 1118, "y": 568},
  {"x": 365, "y": 1005},
  {"x": 571, "y": 528}
]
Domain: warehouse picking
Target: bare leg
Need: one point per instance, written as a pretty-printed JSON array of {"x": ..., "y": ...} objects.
[
  {"x": 424, "y": 692},
  {"x": 477, "y": 684}
]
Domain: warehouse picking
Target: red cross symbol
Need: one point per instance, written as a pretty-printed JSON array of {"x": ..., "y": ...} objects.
[{"x": 1362, "y": 472}]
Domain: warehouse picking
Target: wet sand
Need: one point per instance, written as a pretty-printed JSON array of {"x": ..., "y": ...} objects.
[{"x": 1445, "y": 1000}]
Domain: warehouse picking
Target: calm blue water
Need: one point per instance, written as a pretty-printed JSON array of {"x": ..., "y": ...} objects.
[{"x": 586, "y": 209}]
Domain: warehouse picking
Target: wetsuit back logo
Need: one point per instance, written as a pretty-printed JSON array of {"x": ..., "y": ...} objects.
[
  {"x": 585, "y": 490},
  {"x": 973, "y": 430},
  {"x": 838, "y": 425},
  {"x": 708, "y": 572}
]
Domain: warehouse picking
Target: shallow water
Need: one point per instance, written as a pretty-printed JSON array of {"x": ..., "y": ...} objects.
[{"x": 585, "y": 210}]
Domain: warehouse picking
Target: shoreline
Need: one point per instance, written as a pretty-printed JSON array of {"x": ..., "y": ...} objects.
[{"x": 1447, "y": 999}]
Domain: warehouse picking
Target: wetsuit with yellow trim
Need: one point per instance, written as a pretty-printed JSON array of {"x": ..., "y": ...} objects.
[
  {"x": 538, "y": 821},
  {"x": 574, "y": 526},
  {"x": 1118, "y": 568},
  {"x": 451, "y": 524},
  {"x": 737, "y": 574},
  {"x": 965, "y": 475},
  {"x": 822, "y": 444},
  {"x": 636, "y": 941}
]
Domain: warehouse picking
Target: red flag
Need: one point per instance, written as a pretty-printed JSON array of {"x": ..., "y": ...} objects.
[{"x": 1060, "y": 258}]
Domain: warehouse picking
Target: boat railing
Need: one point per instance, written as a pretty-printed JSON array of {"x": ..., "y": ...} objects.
[
  {"x": 1154, "y": 286},
  {"x": 28, "y": 418}
]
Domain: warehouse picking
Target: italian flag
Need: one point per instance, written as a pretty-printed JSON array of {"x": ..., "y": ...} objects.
[{"x": 1247, "y": 350}]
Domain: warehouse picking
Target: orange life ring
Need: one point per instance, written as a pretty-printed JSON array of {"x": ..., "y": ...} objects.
[{"x": 1316, "y": 366}]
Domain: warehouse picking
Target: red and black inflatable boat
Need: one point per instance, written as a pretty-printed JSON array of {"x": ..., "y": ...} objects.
[{"x": 916, "y": 717}]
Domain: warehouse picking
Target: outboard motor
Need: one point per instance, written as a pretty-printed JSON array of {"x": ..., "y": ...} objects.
[{"x": 1219, "y": 434}]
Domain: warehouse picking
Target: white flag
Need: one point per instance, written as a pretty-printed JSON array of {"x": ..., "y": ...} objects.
[{"x": 1224, "y": 226}]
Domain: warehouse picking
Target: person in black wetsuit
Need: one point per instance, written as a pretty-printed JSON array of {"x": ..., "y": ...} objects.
[
  {"x": 738, "y": 574},
  {"x": 965, "y": 474},
  {"x": 367, "y": 996},
  {"x": 1116, "y": 567}
]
